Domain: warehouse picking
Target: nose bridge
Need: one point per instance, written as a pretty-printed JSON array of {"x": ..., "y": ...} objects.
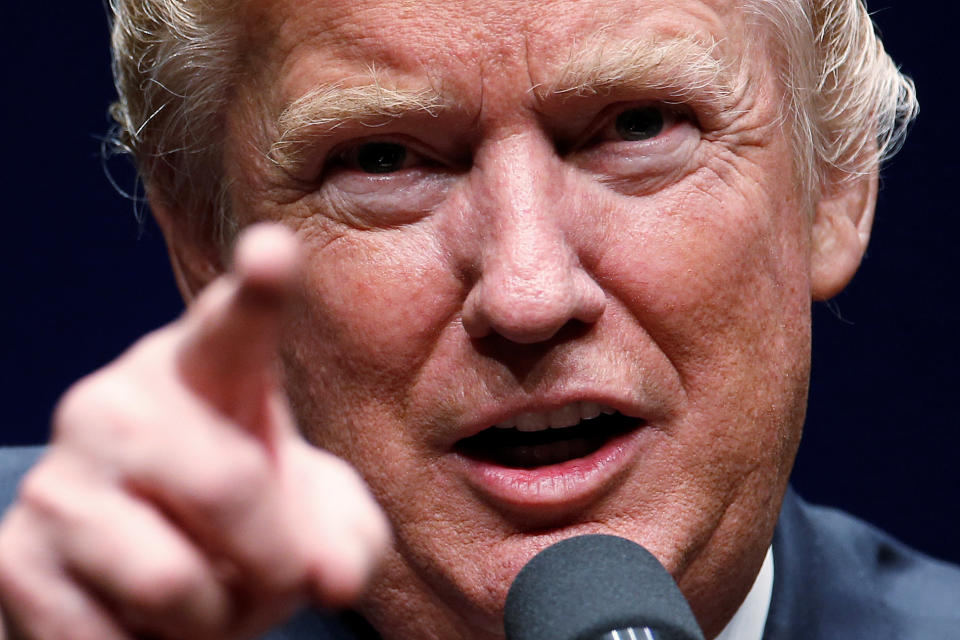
[
  {"x": 525, "y": 233},
  {"x": 530, "y": 281}
]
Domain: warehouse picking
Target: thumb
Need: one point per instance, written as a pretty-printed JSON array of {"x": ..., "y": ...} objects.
[{"x": 341, "y": 529}]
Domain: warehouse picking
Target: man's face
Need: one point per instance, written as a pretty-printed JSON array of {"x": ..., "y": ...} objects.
[{"x": 525, "y": 214}]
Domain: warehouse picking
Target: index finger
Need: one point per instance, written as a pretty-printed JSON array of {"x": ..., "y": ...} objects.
[{"x": 229, "y": 350}]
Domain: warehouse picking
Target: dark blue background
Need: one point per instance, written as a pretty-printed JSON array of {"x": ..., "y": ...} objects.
[{"x": 83, "y": 278}]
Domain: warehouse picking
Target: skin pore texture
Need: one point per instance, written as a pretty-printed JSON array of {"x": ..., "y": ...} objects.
[{"x": 525, "y": 255}]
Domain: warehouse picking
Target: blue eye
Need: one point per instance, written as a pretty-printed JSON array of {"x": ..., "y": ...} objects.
[
  {"x": 640, "y": 123},
  {"x": 380, "y": 157}
]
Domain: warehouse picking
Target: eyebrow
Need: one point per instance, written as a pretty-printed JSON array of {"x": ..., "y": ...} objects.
[
  {"x": 682, "y": 68},
  {"x": 330, "y": 106}
]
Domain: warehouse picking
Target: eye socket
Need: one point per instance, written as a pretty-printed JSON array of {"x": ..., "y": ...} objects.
[
  {"x": 377, "y": 157},
  {"x": 626, "y": 126},
  {"x": 381, "y": 157},
  {"x": 637, "y": 148},
  {"x": 640, "y": 123}
]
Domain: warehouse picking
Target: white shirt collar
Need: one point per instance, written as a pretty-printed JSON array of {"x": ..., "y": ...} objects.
[{"x": 748, "y": 622}]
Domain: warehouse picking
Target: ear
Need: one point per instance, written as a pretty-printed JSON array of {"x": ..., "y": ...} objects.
[
  {"x": 194, "y": 254},
  {"x": 841, "y": 230}
]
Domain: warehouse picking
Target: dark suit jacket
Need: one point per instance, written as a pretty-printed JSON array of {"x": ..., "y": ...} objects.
[
  {"x": 838, "y": 577},
  {"x": 835, "y": 578}
]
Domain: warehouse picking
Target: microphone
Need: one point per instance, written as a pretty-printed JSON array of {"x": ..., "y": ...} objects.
[{"x": 597, "y": 587}]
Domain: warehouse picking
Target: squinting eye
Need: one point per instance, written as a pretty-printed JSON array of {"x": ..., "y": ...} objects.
[
  {"x": 381, "y": 157},
  {"x": 641, "y": 123}
]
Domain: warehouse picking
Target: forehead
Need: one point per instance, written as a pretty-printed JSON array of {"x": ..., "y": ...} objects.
[{"x": 301, "y": 44}]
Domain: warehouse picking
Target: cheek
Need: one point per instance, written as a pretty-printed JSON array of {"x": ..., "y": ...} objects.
[
  {"x": 373, "y": 305},
  {"x": 718, "y": 277},
  {"x": 710, "y": 264}
]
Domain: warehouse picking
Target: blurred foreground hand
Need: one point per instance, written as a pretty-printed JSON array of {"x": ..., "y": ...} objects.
[{"x": 177, "y": 499}]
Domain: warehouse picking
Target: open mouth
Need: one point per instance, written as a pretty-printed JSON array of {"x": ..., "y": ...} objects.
[{"x": 526, "y": 446}]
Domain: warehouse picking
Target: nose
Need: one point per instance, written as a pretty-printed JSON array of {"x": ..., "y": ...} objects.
[{"x": 531, "y": 280}]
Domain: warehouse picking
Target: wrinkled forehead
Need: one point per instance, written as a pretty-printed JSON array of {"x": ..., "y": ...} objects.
[{"x": 456, "y": 44}]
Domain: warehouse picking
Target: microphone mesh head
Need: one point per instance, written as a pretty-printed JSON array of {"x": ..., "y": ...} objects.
[{"x": 584, "y": 587}]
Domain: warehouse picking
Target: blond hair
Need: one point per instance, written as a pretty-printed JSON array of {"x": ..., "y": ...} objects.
[
  {"x": 173, "y": 67},
  {"x": 848, "y": 106}
]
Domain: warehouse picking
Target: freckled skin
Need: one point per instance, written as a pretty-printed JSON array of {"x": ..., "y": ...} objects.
[{"x": 526, "y": 274}]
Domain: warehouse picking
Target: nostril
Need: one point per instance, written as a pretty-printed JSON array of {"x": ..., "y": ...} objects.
[{"x": 516, "y": 327}]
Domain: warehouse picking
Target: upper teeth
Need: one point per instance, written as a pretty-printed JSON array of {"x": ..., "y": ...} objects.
[{"x": 567, "y": 416}]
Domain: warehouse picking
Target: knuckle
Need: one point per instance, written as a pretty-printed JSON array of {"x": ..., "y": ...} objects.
[
  {"x": 118, "y": 400},
  {"x": 165, "y": 587},
  {"x": 43, "y": 491},
  {"x": 56, "y": 501},
  {"x": 76, "y": 405},
  {"x": 234, "y": 484},
  {"x": 99, "y": 406}
]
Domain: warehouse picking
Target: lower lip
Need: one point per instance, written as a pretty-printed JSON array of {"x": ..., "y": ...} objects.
[{"x": 567, "y": 484}]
